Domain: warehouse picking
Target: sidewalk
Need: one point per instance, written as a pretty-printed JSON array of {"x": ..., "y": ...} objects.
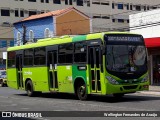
[{"x": 153, "y": 90}]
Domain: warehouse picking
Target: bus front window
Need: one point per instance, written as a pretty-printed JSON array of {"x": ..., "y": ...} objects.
[{"x": 126, "y": 59}]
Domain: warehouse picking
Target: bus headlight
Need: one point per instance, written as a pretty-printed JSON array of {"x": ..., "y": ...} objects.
[
  {"x": 112, "y": 80},
  {"x": 145, "y": 79}
]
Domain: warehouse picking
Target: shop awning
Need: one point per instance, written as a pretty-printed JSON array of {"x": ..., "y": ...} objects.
[{"x": 152, "y": 42}]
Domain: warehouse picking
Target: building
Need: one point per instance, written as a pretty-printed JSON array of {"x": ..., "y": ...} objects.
[
  {"x": 106, "y": 14},
  {"x": 148, "y": 24},
  {"x": 69, "y": 21}
]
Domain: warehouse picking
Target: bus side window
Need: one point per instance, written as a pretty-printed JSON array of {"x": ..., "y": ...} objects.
[
  {"x": 80, "y": 52},
  {"x": 40, "y": 56},
  {"x": 65, "y": 53},
  {"x": 11, "y": 59},
  {"x": 28, "y": 57}
]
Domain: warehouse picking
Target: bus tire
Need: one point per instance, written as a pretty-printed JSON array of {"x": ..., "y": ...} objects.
[
  {"x": 2, "y": 84},
  {"x": 118, "y": 95},
  {"x": 29, "y": 89},
  {"x": 81, "y": 92}
]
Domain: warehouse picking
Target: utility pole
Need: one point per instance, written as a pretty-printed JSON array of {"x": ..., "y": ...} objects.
[{"x": 24, "y": 34}]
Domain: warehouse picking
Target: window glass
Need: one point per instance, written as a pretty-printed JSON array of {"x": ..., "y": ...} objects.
[
  {"x": 39, "y": 56},
  {"x": 32, "y": 13},
  {"x": 11, "y": 43},
  {"x": 16, "y": 13},
  {"x": 11, "y": 59},
  {"x": 57, "y": 1},
  {"x": 80, "y": 52},
  {"x": 112, "y": 5},
  {"x": 21, "y": 13},
  {"x": 28, "y": 57},
  {"x": 138, "y": 7},
  {"x": 3, "y": 43},
  {"x": 79, "y": 2},
  {"x": 121, "y": 20},
  {"x": 120, "y": 6},
  {"x": 65, "y": 53},
  {"x": 130, "y": 7},
  {"x": 5, "y": 12},
  {"x": 31, "y": 0},
  {"x": 127, "y": 6},
  {"x": 66, "y": 2}
]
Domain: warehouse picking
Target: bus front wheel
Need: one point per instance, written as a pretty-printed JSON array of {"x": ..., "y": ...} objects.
[
  {"x": 81, "y": 92},
  {"x": 29, "y": 89}
]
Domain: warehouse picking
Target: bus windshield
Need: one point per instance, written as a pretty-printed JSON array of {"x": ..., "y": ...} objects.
[{"x": 126, "y": 59}]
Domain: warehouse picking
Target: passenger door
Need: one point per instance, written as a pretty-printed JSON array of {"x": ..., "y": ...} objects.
[
  {"x": 95, "y": 58},
  {"x": 19, "y": 71},
  {"x": 52, "y": 64}
]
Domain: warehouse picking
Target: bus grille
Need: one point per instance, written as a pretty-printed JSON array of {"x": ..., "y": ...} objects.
[{"x": 130, "y": 87}]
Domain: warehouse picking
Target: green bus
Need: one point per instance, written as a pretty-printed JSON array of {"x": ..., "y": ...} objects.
[{"x": 99, "y": 63}]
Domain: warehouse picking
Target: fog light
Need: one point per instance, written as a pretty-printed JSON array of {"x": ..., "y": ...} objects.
[{"x": 145, "y": 86}]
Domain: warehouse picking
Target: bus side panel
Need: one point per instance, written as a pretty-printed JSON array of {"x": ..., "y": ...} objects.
[
  {"x": 38, "y": 76},
  {"x": 65, "y": 80},
  {"x": 79, "y": 71},
  {"x": 12, "y": 78}
]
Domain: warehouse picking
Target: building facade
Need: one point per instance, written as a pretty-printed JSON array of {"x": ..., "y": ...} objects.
[
  {"x": 69, "y": 21},
  {"x": 106, "y": 14},
  {"x": 147, "y": 24}
]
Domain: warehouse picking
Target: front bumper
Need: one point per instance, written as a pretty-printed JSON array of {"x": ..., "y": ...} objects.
[{"x": 112, "y": 89}]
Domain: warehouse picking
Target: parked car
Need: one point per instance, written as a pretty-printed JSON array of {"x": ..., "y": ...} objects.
[{"x": 3, "y": 78}]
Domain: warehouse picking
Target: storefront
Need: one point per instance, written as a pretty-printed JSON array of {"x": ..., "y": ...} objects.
[{"x": 153, "y": 48}]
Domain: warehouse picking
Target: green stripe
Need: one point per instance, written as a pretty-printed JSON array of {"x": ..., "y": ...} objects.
[{"x": 79, "y": 38}]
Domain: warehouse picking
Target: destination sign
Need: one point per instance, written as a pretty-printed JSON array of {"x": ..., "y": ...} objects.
[{"x": 124, "y": 39}]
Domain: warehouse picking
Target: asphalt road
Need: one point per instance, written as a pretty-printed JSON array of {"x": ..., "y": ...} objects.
[{"x": 16, "y": 100}]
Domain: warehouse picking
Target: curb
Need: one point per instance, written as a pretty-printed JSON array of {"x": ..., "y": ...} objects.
[{"x": 150, "y": 92}]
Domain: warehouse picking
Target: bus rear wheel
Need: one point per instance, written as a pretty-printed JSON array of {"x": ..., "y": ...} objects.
[
  {"x": 2, "y": 84},
  {"x": 81, "y": 92},
  {"x": 29, "y": 89}
]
